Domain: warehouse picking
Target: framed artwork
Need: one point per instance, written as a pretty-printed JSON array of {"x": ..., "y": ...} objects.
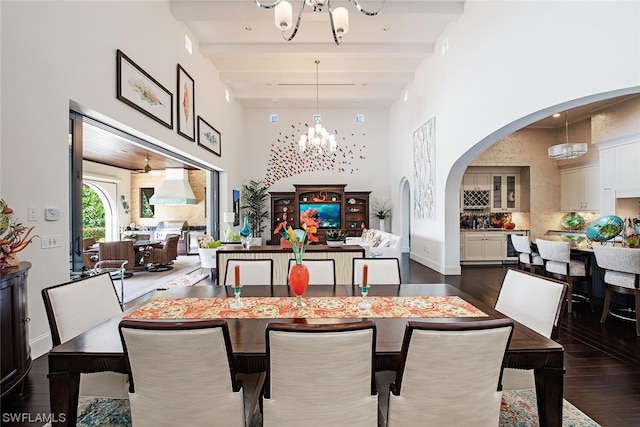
[
  {"x": 424, "y": 143},
  {"x": 186, "y": 105},
  {"x": 139, "y": 90},
  {"x": 147, "y": 210},
  {"x": 208, "y": 137},
  {"x": 236, "y": 207}
]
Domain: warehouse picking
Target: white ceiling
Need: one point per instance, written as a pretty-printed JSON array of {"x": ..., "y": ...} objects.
[{"x": 377, "y": 58}]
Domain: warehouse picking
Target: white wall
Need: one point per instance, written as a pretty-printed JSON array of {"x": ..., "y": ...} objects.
[
  {"x": 54, "y": 53},
  {"x": 508, "y": 64}
]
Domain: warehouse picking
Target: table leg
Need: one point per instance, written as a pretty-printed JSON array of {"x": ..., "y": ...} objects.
[
  {"x": 63, "y": 397},
  {"x": 549, "y": 392}
]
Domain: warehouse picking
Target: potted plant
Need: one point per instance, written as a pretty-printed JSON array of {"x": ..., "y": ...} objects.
[
  {"x": 335, "y": 237},
  {"x": 381, "y": 210},
  {"x": 254, "y": 200}
]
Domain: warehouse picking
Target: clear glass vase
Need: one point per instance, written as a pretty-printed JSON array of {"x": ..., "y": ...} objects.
[{"x": 246, "y": 234}]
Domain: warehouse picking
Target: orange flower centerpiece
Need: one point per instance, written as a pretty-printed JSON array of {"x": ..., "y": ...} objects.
[
  {"x": 14, "y": 237},
  {"x": 299, "y": 240}
]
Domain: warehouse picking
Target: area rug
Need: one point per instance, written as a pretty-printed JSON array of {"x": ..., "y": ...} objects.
[
  {"x": 518, "y": 410},
  {"x": 186, "y": 280}
]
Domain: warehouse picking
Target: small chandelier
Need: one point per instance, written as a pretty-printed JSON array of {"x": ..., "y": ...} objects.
[
  {"x": 317, "y": 139},
  {"x": 339, "y": 17},
  {"x": 567, "y": 150}
]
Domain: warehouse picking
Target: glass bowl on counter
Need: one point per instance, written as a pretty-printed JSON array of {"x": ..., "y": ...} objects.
[
  {"x": 572, "y": 221},
  {"x": 605, "y": 228}
]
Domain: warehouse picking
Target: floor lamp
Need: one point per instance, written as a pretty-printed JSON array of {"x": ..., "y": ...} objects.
[{"x": 228, "y": 217}]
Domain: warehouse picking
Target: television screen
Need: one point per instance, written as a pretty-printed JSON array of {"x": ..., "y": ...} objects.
[{"x": 327, "y": 215}]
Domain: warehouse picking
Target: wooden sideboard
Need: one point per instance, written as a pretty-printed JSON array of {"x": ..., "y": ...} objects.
[
  {"x": 343, "y": 258},
  {"x": 15, "y": 350}
]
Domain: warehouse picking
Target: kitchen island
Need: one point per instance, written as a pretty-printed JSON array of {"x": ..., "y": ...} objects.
[{"x": 343, "y": 257}]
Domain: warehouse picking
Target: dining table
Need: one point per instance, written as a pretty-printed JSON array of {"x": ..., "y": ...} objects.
[{"x": 100, "y": 349}]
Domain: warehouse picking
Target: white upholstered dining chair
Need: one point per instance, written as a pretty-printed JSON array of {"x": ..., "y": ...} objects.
[
  {"x": 252, "y": 271},
  {"x": 321, "y": 271},
  {"x": 536, "y": 302},
  {"x": 320, "y": 374},
  {"x": 620, "y": 271},
  {"x": 182, "y": 373},
  {"x": 74, "y": 307},
  {"x": 381, "y": 271},
  {"x": 448, "y": 375},
  {"x": 558, "y": 264}
]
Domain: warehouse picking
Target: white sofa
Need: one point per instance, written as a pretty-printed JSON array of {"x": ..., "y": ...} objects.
[{"x": 377, "y": 243}]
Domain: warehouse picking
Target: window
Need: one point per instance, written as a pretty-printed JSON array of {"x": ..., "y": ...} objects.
[{"x": 146, "y": 208}]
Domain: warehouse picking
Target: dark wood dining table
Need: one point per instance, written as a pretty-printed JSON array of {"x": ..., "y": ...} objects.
[{"x": 100, "y": 349}]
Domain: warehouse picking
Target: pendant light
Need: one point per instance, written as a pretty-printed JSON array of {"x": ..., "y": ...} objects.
[{"x": 567, "y": 150}]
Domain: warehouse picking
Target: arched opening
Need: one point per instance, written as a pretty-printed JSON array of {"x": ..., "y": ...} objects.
[{"x": 99, "y": 211}]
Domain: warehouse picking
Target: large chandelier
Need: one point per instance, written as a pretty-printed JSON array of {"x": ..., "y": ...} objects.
[
  {"x": 339, "y": 17},
  {"x": 317, "y": 139},
  {"x": 567, "y": 150}
]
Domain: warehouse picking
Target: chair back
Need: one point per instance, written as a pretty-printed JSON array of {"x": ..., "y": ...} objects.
[
  {"x": 252, "y": 272},
  {"x": 77, "y": 306},
  {"x": 554, "y": 251},
  {"x": 320, "y": 372},
  {"x": 181, "y": 373},
  {"x": 380, "y": 271},
  {"x": 535, "y": 301},
  {"x": 621, "y": 265},
  {"x": 88, "y": 242},
  {"x": 321, "y": 271},
  {"x": 117, "y": 251},
  {"x": 521, "y": 244},
  {"x": 143, "y": 237},
  {"x": 449, "y": 374},
  {"x": 167, "y": 253}
]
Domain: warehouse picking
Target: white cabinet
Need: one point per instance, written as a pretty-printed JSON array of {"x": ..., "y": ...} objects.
[
  {"x": 476, "y": 181},
  {"x": 484, "y": 246},
  {"x": 505, "y": 192},
  {"x": 619, "y": 169},
  {"x": 580, "y": 189}
]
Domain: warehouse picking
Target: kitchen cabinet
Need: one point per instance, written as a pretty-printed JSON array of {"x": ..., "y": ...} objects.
[
  {"x": 505, "y": 192},
  {"x": 476, "y": 181},
  {"x": 484, "y": 246},
  {"x": 580, "y": 189},
  {"x": 619, "y": 168}
]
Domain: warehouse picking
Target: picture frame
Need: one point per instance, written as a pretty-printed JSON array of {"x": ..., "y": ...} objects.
[
  {"x": 185, "y": 104},
  {"x": 136, "y": 88},
  {"x": 209, "y": 138}
]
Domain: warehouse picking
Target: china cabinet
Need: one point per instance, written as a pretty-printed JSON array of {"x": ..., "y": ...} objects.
[{"x": 16, "y": 352}]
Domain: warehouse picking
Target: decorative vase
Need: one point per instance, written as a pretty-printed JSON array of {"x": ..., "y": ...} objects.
[
  {"x": 246, "y": 234},
  {"x": 298, "y": 282},
  {"x": 9, "y": 260},
  {"x": 334, "y": 243},
  {"x": 381, "y": 224}
]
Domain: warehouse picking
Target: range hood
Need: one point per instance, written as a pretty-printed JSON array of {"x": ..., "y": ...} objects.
[{"x": 175, "y": 190}]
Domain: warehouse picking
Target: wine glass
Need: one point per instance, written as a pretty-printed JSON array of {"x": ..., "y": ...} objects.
[
  {"x": 237, "y": 302},
  {"x": 364, "y": 304}
]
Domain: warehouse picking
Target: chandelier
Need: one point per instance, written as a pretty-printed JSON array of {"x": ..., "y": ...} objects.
[
  {"x": 567, "y": 150},
  {"x": 317, "y": 139},
  {"x": 339, "y": 17}
]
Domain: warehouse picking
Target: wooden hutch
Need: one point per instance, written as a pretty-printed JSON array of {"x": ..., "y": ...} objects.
[{"x": 335, "y": 207}]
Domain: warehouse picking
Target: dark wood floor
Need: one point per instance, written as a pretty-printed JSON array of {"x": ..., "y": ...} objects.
[{"x": 602, "y": 360}]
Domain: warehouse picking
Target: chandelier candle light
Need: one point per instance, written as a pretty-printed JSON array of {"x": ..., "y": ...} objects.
[
  {"x": 567, "y": 150},
  {"x": 338, "y": 17},
  {"x": 317, "y": 139}
]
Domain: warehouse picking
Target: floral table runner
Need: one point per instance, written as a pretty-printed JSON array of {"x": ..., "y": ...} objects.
[{"x": 317, "y": 307}]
